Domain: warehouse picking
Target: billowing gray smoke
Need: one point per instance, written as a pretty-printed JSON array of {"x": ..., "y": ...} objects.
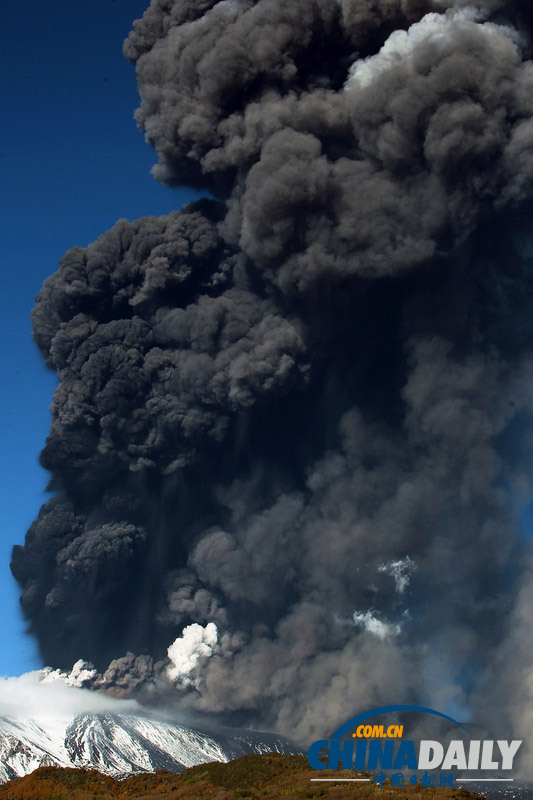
[{"x": 293, "y": 428}]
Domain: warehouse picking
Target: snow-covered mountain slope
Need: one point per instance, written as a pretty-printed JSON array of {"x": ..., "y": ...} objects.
[{"x": 119, "y": 744}]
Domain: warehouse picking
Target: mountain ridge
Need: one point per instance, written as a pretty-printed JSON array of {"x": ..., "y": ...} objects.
[{"x": 120, "y": 745}]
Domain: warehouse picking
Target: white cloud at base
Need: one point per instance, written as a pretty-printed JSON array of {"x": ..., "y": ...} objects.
[{"x": 33, "y": 696}]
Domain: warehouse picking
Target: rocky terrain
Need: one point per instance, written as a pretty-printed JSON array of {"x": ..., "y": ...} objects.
[{"x": 266, "y": 777}]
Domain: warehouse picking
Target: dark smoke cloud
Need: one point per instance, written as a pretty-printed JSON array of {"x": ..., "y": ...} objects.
[
  {"x": 157, "y": 336},
  {"x": 326, "y": 173},
  {"x": 292, "y": 433}
]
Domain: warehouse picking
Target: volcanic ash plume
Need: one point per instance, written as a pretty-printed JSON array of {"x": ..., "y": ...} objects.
[{"x": 290, "y": 445}]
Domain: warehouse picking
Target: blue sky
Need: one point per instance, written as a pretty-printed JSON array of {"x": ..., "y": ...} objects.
[{"x": 72, "y": 163}]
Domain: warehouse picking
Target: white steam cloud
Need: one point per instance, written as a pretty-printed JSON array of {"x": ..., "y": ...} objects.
[
  {"x": 379, "y": 628},
  {"x": 81, "y": 673},
  {"x": 400, "y": 571},
  {"x": 436, "y": 30},
  {"x": 188, "y": 651}
]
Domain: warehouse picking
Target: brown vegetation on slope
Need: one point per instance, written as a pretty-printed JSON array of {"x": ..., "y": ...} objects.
[{"x": 258, "y": 777}]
